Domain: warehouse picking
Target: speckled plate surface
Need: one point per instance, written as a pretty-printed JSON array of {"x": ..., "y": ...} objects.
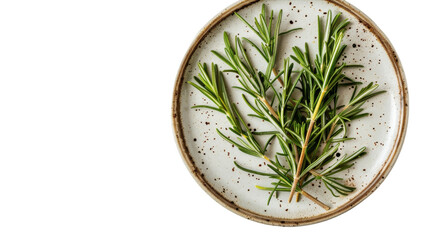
[{"x": 210, "y": 159}]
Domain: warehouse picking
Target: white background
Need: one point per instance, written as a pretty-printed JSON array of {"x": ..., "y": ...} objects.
[{"x": 86, "y": 144}]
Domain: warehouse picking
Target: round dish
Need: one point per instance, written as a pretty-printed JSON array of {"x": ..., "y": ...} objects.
[{"x": 210, "y": 159}]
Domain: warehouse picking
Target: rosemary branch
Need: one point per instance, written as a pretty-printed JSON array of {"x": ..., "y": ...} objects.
[{"x": 300, "y": 124}]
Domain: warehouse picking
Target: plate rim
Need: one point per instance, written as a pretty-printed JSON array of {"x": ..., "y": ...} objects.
[{"x": 364, "y": 193}]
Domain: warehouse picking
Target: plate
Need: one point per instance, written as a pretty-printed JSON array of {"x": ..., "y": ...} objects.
[{"x": 210, "y": 159}]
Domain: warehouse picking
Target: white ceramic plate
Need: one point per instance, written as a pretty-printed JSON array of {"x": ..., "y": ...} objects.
[{"x": 210, "y": 159}]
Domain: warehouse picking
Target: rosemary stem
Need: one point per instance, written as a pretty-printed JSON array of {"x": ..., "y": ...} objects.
[
  {"x": 315, "y": 200},
  {"x": 331, "y": 131},
  {"x": 270, "y": 108},
  {"x": 279, "y": 78},
  {"x": 304, "y": 147},
  {"x": 295, "y": 151}
]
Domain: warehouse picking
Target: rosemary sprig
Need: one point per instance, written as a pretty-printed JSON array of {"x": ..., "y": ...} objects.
[
  {"x": 307, "y": 113},
  {"x": 213, "y": 87},
  {"x": 269, "y": 45},
  {"x": 326, "y": 76},
  {"x": 254, "y": 82}
]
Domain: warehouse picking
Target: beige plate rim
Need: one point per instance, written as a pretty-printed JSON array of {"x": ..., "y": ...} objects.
[{"x": 372, "y": 186}]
